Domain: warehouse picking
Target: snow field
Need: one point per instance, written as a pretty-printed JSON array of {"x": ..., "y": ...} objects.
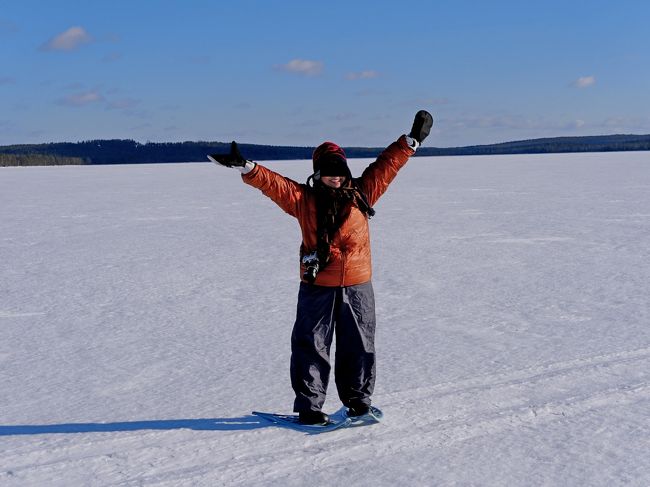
[{"x": 146, "y": 310}]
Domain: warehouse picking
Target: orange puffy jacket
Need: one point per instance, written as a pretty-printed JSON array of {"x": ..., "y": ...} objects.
[{"x": 350, "y": 261}]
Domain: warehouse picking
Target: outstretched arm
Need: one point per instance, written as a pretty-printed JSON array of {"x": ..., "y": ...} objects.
[
  {"x": 285, "y": 192},
  {"x": 377, "y": 176}
]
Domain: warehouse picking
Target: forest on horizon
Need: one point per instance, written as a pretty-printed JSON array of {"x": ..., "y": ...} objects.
[{"x": 126, "y": 151}]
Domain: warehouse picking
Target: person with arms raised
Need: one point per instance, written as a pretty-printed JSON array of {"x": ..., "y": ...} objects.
[{"x": 336, "y": 296}]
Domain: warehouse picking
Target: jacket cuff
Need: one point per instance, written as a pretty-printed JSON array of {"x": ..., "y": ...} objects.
[
  {"x": 246, "y": 168},
  {"x": 403, "y": 141},
  {"x": 412, "y": 143},
  {"x": 250, "y": 174}
]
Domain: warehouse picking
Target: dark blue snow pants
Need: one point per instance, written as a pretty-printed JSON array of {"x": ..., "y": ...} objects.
[{"x": 348, "y": 312}]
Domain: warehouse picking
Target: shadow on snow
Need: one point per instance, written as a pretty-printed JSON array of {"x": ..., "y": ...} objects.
[{"x": 211, "y": 424}]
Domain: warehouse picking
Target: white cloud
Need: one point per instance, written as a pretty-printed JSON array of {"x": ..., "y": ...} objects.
[
  {"x": 584, "y": 81},
  {"x": 69, "y": 40},
  {"x": 81, "y": 99},
  {"x": 362, "y": 75},
  {"x": 303, "y": 67}
]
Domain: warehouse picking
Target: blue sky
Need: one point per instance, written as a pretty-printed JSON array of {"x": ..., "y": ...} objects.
[{"x": 300, "y": 72}]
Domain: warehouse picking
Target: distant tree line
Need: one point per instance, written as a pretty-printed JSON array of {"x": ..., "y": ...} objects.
[
  {"x": 594, "y": 143},
  {"x": 119, "y": 151},
  {"x": 39, "y": 160}
]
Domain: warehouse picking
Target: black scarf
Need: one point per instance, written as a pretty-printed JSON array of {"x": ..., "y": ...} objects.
[{"x": 333, "y": 206}]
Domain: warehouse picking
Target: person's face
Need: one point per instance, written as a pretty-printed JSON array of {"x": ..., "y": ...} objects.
[{"x": 333, "y": 181}]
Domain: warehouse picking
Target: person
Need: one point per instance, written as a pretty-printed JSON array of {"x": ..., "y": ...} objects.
[{"x": 335, "y": 295}]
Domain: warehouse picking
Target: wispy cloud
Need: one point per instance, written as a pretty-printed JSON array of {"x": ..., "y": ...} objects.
[
  {"x": 110, "y": 98},
  {"x": 510, "y": 122},
  {"x": 81, "y": 99},
  {"x": 362, "y": 75},
  {"x": 542, "y": 126},
  {"x": 69, "y": 40},
  {"x": 302, "y": 67},
  {"x": 584, "y": 82},
  {"x": 627, "y": 124},
  {"x": 517, "y": 125}
]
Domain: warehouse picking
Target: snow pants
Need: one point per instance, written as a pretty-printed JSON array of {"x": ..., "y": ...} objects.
[{"x": 348, "y": 312}]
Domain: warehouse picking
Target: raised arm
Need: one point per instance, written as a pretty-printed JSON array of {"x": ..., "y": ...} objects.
[
  {"x": 286, "y": 193},
  {"x": 377, "y": 176}
]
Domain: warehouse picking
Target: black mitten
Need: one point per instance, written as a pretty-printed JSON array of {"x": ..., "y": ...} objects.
[
  {"x": 421, "y": 126},
  {"x": 234, "y": 159}
]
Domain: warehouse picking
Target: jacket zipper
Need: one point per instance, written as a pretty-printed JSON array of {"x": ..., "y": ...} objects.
[{"x": 342, "y": 267}]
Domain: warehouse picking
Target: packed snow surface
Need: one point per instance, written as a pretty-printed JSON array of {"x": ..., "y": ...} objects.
[{"x": 146, "y": 310}]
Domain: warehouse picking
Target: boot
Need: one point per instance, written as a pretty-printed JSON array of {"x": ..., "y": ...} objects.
[
  {"x": 358, "y": 410},
  {"x": 313, "y": 417}
]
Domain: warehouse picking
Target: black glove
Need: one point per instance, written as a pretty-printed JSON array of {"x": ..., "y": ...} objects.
[
  {"x": 234, "y": 159},
  {"x": 421, "y": 126}
]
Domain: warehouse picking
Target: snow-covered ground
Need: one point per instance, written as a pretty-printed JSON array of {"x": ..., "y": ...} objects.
[{"x": 146, "y": 310}]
